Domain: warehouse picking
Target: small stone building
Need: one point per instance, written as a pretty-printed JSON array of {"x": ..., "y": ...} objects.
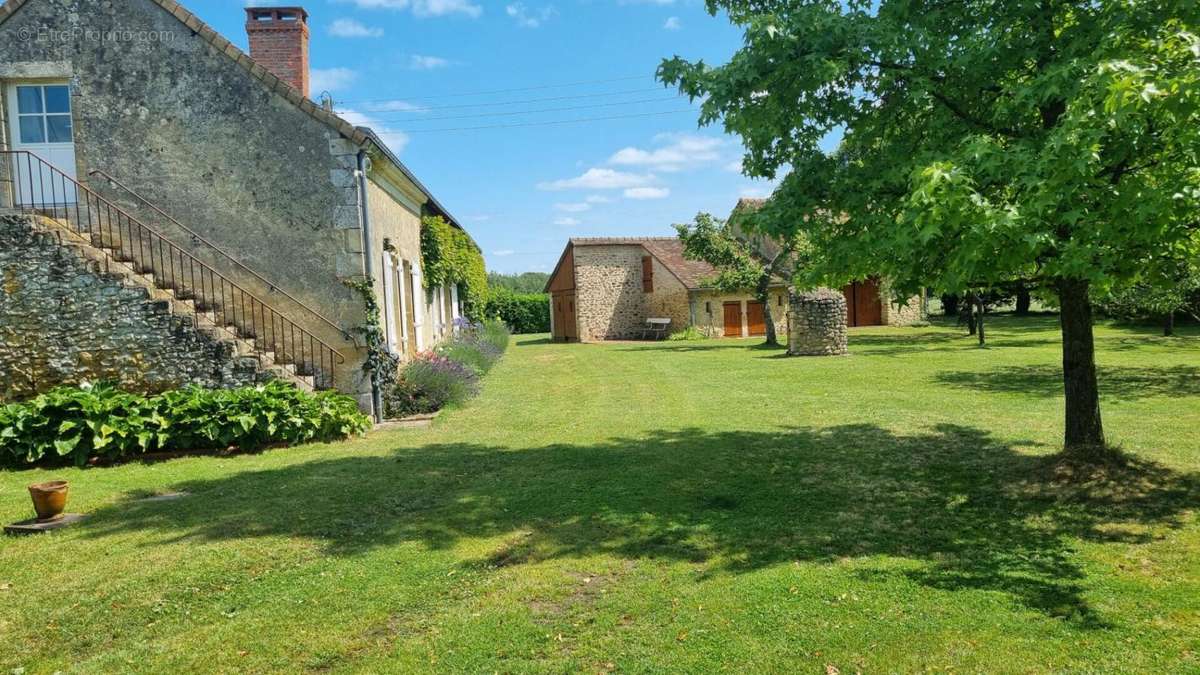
[
  {"x": 222, "y": 159},
  {"x": 605, "y": 288}
]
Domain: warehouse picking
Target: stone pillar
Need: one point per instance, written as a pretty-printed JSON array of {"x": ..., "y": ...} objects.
[{"x": 817, "y": 323}]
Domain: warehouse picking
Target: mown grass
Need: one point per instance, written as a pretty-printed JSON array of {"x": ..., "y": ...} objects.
[{"x": 698, "y": 506}]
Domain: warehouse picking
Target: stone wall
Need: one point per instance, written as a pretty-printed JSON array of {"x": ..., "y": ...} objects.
[
  {"x": 896, "y": 314},
  {"x": 609, "y": 300},
  {"x": 63, "y": 321},
  {"x": 818, "y": 323}
]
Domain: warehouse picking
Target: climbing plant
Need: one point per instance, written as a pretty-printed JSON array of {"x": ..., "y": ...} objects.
[
  {"x": 380, "y": 364},
  {"x": 449, "y": 256}
]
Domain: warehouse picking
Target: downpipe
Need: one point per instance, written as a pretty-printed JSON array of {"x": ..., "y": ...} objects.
[{"x": 368, "y": 267}]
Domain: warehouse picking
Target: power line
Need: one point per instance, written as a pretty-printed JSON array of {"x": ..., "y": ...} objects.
[
  {"x": 418, "y": 109},
  {"x": 553, "y": 122},
  {"x": 510, "y": 113},
  {"x": 506, "y": 91}
]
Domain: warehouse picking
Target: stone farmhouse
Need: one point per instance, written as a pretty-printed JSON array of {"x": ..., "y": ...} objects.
[
  {"x": 175, "y": 211},
  {"x": 606, "y": 288}
]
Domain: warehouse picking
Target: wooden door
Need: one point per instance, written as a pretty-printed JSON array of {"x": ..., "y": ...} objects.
[
  {"x": 867, "y": 305},
  {"x": 755, "y": 319},
  {"x": 863, "y": 304},
  {"x": 564, "y": 316},
  {"x": 733, "y": 319}
]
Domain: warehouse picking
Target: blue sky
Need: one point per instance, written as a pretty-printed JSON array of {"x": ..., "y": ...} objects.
[{"x": 419, "y": 71}]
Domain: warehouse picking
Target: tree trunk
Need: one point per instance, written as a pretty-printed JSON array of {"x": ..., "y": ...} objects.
[
  {"x": 772, "y": 339},
  {"x": 1169, "y": 324},
  {"x": 1084, "y": 432},
  {"x": 967, "y": 315},
  {"x": 979, "y": 314},
  {"x": 763, "y": 293},
  {"x": 1023, "y": 299},
  {"x": 950, "y": 305}
]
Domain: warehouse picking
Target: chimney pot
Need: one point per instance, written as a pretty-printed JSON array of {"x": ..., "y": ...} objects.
[{"x": 279, "y": 42}]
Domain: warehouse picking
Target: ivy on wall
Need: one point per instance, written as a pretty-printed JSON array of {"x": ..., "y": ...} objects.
[
  {"x": 381, "y": 364},
  {"x": 448, "y": 256}
]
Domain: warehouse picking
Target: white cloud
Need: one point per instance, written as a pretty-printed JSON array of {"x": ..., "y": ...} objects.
[
  {"x": 568, "y": 221},
  {"x": 424, "y": 8},
  {"x": 395, "y": 106},
  {"x": 597, "y": 199},
  {"x": 503, "y": 252},
  {"x": 673, "y": 23},
  {"x": 394, "y": 138},
  {"x": 349, "y": 28},
  {"x": 647, "y": 193},
  {"x": 599, "y": 179},
  {"x": 331, "y": 79},
  {"x": 527, "y": 17},
  {"x": 735, "y": 166},
  {"x": 423, "y": 62},
  {"x": 573, "y": 207},
  {"x": 683, "y": 151}
]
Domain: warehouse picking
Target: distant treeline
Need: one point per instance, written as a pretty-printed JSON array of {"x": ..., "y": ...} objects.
[{"x": 528, "y": 282}]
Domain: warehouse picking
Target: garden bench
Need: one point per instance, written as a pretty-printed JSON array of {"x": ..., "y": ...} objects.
[{"x": 656, "y": 329}]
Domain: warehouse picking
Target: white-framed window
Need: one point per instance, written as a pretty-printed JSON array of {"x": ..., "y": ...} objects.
[{"x": 390, "y": 315}]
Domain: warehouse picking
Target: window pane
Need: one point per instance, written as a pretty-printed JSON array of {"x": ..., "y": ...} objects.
[
  {"x": 31, "y": 129},
  {"x": 58, "y": 99},
  {"x": 58, "y": 128},
  {"x": 29, "y": 100}
]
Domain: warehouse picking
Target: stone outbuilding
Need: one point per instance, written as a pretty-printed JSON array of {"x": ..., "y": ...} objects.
[
  {"x": 606, "y": 288},
  {"x": 164, "y": 135}
]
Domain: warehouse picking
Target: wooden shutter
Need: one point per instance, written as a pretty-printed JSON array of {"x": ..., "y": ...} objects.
[{"x": 647, "y": 274}]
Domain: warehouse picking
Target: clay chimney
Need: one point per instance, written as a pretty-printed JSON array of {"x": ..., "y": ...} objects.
[{"x": 279, "y": 42}]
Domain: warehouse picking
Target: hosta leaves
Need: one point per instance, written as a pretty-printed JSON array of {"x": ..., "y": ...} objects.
[{"x": 77, "y": 423}]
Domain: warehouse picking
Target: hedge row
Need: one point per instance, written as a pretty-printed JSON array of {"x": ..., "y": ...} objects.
[{"x": 523, "y": 312}]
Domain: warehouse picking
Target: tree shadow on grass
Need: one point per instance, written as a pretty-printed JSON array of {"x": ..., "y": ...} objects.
[
  {"x": 1126, "y": 383},
  {"x": 972, "y": 510}
]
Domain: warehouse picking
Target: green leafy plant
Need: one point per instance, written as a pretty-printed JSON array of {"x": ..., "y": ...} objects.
[
  {"x": 448, "y": 256},
  {"x": 687, "y": 334},
  {"x": 75, "y": 424}
]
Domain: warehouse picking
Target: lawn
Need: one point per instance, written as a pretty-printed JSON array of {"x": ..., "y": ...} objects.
[{"x": 700, "y": 506}]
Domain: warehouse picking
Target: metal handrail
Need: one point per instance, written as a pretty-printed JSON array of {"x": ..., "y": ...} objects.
[
  {"x": 123, "y": 238},
  {"x": 195, "y": 236}
]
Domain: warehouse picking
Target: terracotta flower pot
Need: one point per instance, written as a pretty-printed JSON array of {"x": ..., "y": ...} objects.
[{"x": 49, "y": 499}]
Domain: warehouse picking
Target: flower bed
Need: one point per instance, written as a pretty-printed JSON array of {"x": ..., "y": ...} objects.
[{"x": 450, "y": 374}]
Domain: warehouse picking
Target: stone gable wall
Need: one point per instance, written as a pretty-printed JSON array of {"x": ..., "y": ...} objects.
[
  {"x": 609, "y": 300},
  {"x": 912, "y": 311},
  {"x": 63, "y": 321}
]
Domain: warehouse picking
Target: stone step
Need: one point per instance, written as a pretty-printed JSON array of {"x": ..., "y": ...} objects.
[{"x": 105, "y": 261}]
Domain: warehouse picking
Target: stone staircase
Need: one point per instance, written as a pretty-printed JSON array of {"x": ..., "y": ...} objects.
[{"x": 105, "y": 259}]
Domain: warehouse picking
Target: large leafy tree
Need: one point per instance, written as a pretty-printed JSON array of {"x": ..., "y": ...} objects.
[{"x": 984, "y": 140}]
